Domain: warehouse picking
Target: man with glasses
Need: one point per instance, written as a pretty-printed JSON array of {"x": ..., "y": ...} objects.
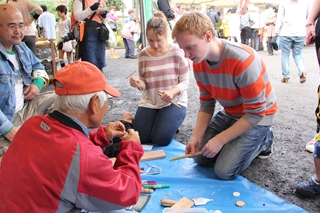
[
  {"x": 22, "y": 76},
  {"x": 59, "y": 166}
]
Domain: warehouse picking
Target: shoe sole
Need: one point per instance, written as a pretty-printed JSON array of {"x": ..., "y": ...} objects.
[
  {"x": 303, "y": 77},
  {"x": 264, "y": 157}
]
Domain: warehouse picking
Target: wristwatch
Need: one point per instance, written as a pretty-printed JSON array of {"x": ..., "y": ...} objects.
[{"x": 309, "y": 24}]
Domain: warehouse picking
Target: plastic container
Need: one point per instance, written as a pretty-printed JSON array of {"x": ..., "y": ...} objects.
[{"x": 184, "y": 210}]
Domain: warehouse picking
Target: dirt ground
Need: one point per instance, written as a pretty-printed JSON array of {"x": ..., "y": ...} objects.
[{"x": 294, "y": 124}]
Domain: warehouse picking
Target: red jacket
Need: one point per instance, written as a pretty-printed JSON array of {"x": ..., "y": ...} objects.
[{"x": 51, "y": 167}]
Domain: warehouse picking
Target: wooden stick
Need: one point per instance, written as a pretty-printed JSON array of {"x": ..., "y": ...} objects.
[
  {"x": 131, "y": 74},
  {"x": 185, "y": 156},
  {"x": 174, "y": 103}
]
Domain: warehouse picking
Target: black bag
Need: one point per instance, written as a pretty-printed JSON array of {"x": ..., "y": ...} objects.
[
  {"x": 103, "y": 33},
  {"x": 274, "y": 39},
  {"x": 113, "y": 25}
]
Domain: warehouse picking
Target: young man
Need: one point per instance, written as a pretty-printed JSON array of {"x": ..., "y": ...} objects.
[
  {"x": 54, "y": 164},
  {"x": 47, "y": 21},
  {"x": 22, "y": 74},
  {"x": 235, "y": 76}
]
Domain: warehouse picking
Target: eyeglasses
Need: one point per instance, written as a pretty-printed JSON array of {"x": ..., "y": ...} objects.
[
  {"x": 12, "y": 27},
  {"x": 110, "y": 105}
]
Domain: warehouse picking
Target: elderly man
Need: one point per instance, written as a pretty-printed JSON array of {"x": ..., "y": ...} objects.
[
  {"x": 26, "y": 7},
  {"x": 22, "y": 76},
  {"x": 59, "y": 166}
]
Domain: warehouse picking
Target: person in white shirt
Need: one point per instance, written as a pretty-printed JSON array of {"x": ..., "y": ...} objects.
[
  {"x": 290, "y": 25},
  {"x": 47, "y": 22}
]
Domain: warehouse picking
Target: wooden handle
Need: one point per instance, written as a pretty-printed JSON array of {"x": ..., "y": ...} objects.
[
  {"x": 186, "y": 156},
  {"x": 166, "y": 202},
  {"x": 131, "y": 74},
  {"x": 174, "y": 103}
]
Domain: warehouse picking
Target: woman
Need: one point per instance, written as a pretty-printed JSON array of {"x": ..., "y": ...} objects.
[
  {"x": 272, "y": 37},
  {"x": 91, "y": 48},
  {"x": 112, "y": 42},
  {"x": 156, "y": 119}
]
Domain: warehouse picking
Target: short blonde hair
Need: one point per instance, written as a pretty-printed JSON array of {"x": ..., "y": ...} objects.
[{"x": 193, "y": 22}]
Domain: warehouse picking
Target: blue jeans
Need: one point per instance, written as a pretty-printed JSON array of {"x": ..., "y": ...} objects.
[
  {"x": 255, "y": 40},
  {"x": 279, "y": 42},
  {"x": 295, "y": 43},
  {"x": 94, "y": 50},
  {"x": 129, "y": 46},
  {"x": 236, "y": 155},
  {"x": 158, "y": 126}
]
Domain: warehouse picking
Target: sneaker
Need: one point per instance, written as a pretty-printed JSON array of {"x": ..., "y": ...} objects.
[
  {"x": 266, "y": 154},
  {"x": 134, "y": 57},
  {"x": 309, "y": 189},
  {"x": 310, "y": 145}
]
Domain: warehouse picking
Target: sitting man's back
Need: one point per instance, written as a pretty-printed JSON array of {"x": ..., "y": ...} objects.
[{"x": 59, "y": 166}]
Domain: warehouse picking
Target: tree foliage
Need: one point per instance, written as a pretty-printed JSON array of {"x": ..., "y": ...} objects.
[{"x": 119, "y": 4}]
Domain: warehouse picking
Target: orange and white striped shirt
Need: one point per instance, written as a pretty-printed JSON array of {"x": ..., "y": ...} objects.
[{"x": 239, "y": 81}]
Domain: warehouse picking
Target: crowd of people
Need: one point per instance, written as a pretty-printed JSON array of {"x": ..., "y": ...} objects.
[{"x": 61, "y": 120}]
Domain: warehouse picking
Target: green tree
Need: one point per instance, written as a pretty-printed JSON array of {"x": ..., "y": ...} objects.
[{"x": 119, "y": 4}]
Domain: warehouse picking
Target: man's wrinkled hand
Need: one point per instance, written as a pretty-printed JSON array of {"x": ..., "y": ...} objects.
[
  {"x": 31, "y": 92},
  {"x": 132, "y": 135},
  {"x": 115, "y": 129}
]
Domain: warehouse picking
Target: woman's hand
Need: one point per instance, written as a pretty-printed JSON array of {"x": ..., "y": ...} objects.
[{"x": 135, "y": 82}]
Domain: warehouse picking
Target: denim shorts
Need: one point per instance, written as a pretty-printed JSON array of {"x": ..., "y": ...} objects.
[{"x": 316, "y": 152}]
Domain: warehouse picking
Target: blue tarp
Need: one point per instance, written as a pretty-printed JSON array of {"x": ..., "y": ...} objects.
[{"x": 187, "y": 179}]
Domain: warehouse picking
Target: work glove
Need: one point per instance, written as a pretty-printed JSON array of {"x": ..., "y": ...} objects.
[
  {"x": 94, "y": 6},
  {"x": 103, "y": 15}
]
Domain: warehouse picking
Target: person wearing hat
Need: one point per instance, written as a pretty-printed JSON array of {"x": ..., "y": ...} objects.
[{"x": 59, "y": 166}]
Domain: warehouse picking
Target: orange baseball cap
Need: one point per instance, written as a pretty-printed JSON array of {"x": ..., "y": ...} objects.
[{"x": 80, "y": 78}]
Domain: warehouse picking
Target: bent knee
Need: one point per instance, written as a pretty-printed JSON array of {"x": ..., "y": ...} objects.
[
  {"x": 225, "y": 174},
  {"x": 161, "y": 142}
]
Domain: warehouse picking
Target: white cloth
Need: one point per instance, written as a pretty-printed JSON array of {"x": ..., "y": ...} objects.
[
  {"x": 112, "y": 41},
  {"x": 47, "y": 21},
  {"x": 18, "y": 87},
  {"x": 234, "y": 25},
  {"x": 292, "y": 16}
]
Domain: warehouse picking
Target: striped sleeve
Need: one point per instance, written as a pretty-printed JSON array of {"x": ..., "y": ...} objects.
[{"x": 239, "y": 82}]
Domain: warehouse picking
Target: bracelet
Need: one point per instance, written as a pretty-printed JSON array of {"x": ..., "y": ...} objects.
[
  {"x": 309, "y": 24},
  {"x": 7, "y": 132}
]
